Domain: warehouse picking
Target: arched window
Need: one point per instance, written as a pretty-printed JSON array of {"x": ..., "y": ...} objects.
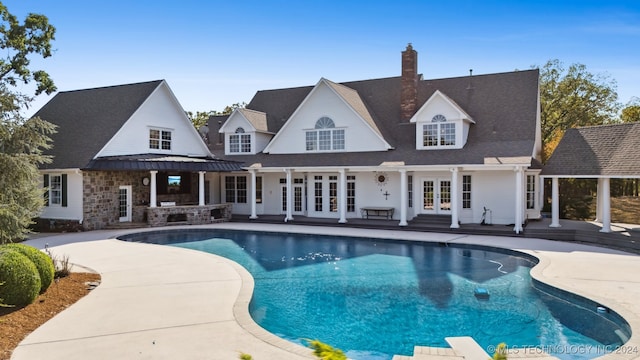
[
  {"x": 325, "y": 123},
  {"x": 325, "y": 136},
  {"x": 239, "y": 142},
  {"x": 439, "y": 133},
  {"x": 439, "y": 118}
]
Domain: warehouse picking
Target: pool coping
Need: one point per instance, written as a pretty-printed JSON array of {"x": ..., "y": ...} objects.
[{"x": 545, "y": 271}]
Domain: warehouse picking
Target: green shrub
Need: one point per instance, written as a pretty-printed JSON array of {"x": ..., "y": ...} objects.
[
  {"x": 20, "y": 278},
  {"x": 326, "y": 352},
  {"x": 501, "y": 352},
  {"x": 42, "y": 261}
]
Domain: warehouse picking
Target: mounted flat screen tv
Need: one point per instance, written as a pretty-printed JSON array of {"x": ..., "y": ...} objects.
[
  {"x": 173, "y": 183},
  {"x": 176, "y": 183}
]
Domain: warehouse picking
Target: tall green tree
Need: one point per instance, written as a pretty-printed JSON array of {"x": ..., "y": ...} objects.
[
  {"x": 22, "y": 141},
  {"x": 631, "y": 111},
  {"x": 200, "y": 118},
  {"x": 572, "y": 97}
]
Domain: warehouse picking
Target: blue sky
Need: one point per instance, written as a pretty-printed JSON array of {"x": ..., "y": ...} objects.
[{"x": 216, "y": 53}]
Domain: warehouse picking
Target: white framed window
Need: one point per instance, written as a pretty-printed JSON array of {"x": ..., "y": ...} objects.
[
  {"x": 351, "y": 193},
  {"x": 439, "y": 133},
  {"x": 240, "y": 142},
  {"x": 466, "y": 191},
  {"x": 531, "y": 191},
  {"x": 258, "y": 189},
  {"x": 410, "y": 190},
  {"x": 333, "y": 193},
  {"x": 317, "y": 192},
  {"x": 159, "y": 139},
  {"x": 56, "y": 192},
  {"x": 236, "y": 189},
  {"x": 325, "y": 137}
]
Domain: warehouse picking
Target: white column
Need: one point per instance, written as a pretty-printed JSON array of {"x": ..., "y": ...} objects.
[
  {"x": 599, "y": 201},
  {"x": 152, "y": 189},
  {"x": 342, "y": 197},
  {"x": 454, "y": 199},
  {"x": 253, "y": 194},
  {"x": 555, "y": 203},
  {"x": 289, "y": 215},
  {"x": 403, "y": 197},
  {"x": 201, "y": 188},
  {"x": 606, "y": 206},
  {"x": 519, "y": 195}
]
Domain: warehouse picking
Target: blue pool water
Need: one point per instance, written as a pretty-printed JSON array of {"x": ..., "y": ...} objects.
[{"x": 375, "y": 298}]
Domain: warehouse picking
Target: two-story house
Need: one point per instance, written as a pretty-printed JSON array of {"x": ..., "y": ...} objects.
[
  {"x": 122, "y": 152},
  {"x": 465, "y": 147}
]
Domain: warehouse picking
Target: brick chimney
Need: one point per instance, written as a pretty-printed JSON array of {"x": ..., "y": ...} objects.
[{"x": 409, "y": 82}]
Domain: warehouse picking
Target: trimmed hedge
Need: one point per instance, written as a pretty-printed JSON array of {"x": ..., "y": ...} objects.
[
  {"x": 19, "y": 277},
  {"x": 42, "y": 261}
]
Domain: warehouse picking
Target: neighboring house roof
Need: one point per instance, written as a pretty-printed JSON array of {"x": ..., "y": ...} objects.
[
  {"x": 88, "y": 119},
  {"x": 605, "y": 150},
  {"x": 504, "y": 107}
]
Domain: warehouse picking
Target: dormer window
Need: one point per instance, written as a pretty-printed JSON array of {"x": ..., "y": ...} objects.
[
  {"x": 439, "y": 133},
  {"x": 240, "y": 142},
  {"x": 159, "y": 139},
  {"x": 325, "y": 137}
]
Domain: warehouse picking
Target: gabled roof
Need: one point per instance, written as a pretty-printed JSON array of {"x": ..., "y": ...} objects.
[
  {"x": 350, "y": 97},
  {"x": 504, "y": 107},
  {"x": 605, "y": 150},
  {"x": 88, "y": 119},
  {"x": 438, "y": 93},
  {"x": 257, "y": 119}
]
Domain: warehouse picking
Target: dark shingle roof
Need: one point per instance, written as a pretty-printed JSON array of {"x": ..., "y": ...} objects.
[
  {"x": 504, "y": 107},
  {"x": 606, "y": 150},
  {"x": 88, "y": 119}
]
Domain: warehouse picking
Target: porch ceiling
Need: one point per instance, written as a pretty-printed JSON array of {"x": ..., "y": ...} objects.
[{"x": 159, "y": 162}]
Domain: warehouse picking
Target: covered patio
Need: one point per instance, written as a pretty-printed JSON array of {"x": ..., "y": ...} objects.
[
  {"x": 159, "y": 190},
  {"x": 598, "y": 152}
]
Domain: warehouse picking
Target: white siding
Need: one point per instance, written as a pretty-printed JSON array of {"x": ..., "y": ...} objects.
[
  {"x": 494, "y": 190},
  {"x": 261, "y": 141},
  {"x": 161, "y": 111},
  {"x": 324, "y": 102},
  {"x": 73, "y": 210}
]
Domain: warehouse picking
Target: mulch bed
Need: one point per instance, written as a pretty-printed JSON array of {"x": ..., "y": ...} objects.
[{"x": 16, "y": 324}]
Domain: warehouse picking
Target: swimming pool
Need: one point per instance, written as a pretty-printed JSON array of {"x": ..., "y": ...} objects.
[{"x": 374, "y": 298}]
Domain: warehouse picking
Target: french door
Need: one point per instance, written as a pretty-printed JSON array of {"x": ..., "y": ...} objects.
[
  {"x": 298, "y": 197},
  {"x": 436, "y": 196},
  {"x": 124, "y": 203}
]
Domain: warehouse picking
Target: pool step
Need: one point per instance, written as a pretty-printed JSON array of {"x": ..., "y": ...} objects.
[
  {"x": 468, "y": 348},
  {"x": 430, "y": 353},
  {"x": 465, "y": 348}
]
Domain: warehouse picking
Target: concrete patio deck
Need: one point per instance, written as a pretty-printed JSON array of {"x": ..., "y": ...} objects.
[{"x": 161, "y": 302}]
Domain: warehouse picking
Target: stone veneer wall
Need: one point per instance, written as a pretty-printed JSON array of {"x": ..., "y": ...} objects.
[
  {"x": 193, "y": 215},
  {"x": 101, "y": 196}
]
